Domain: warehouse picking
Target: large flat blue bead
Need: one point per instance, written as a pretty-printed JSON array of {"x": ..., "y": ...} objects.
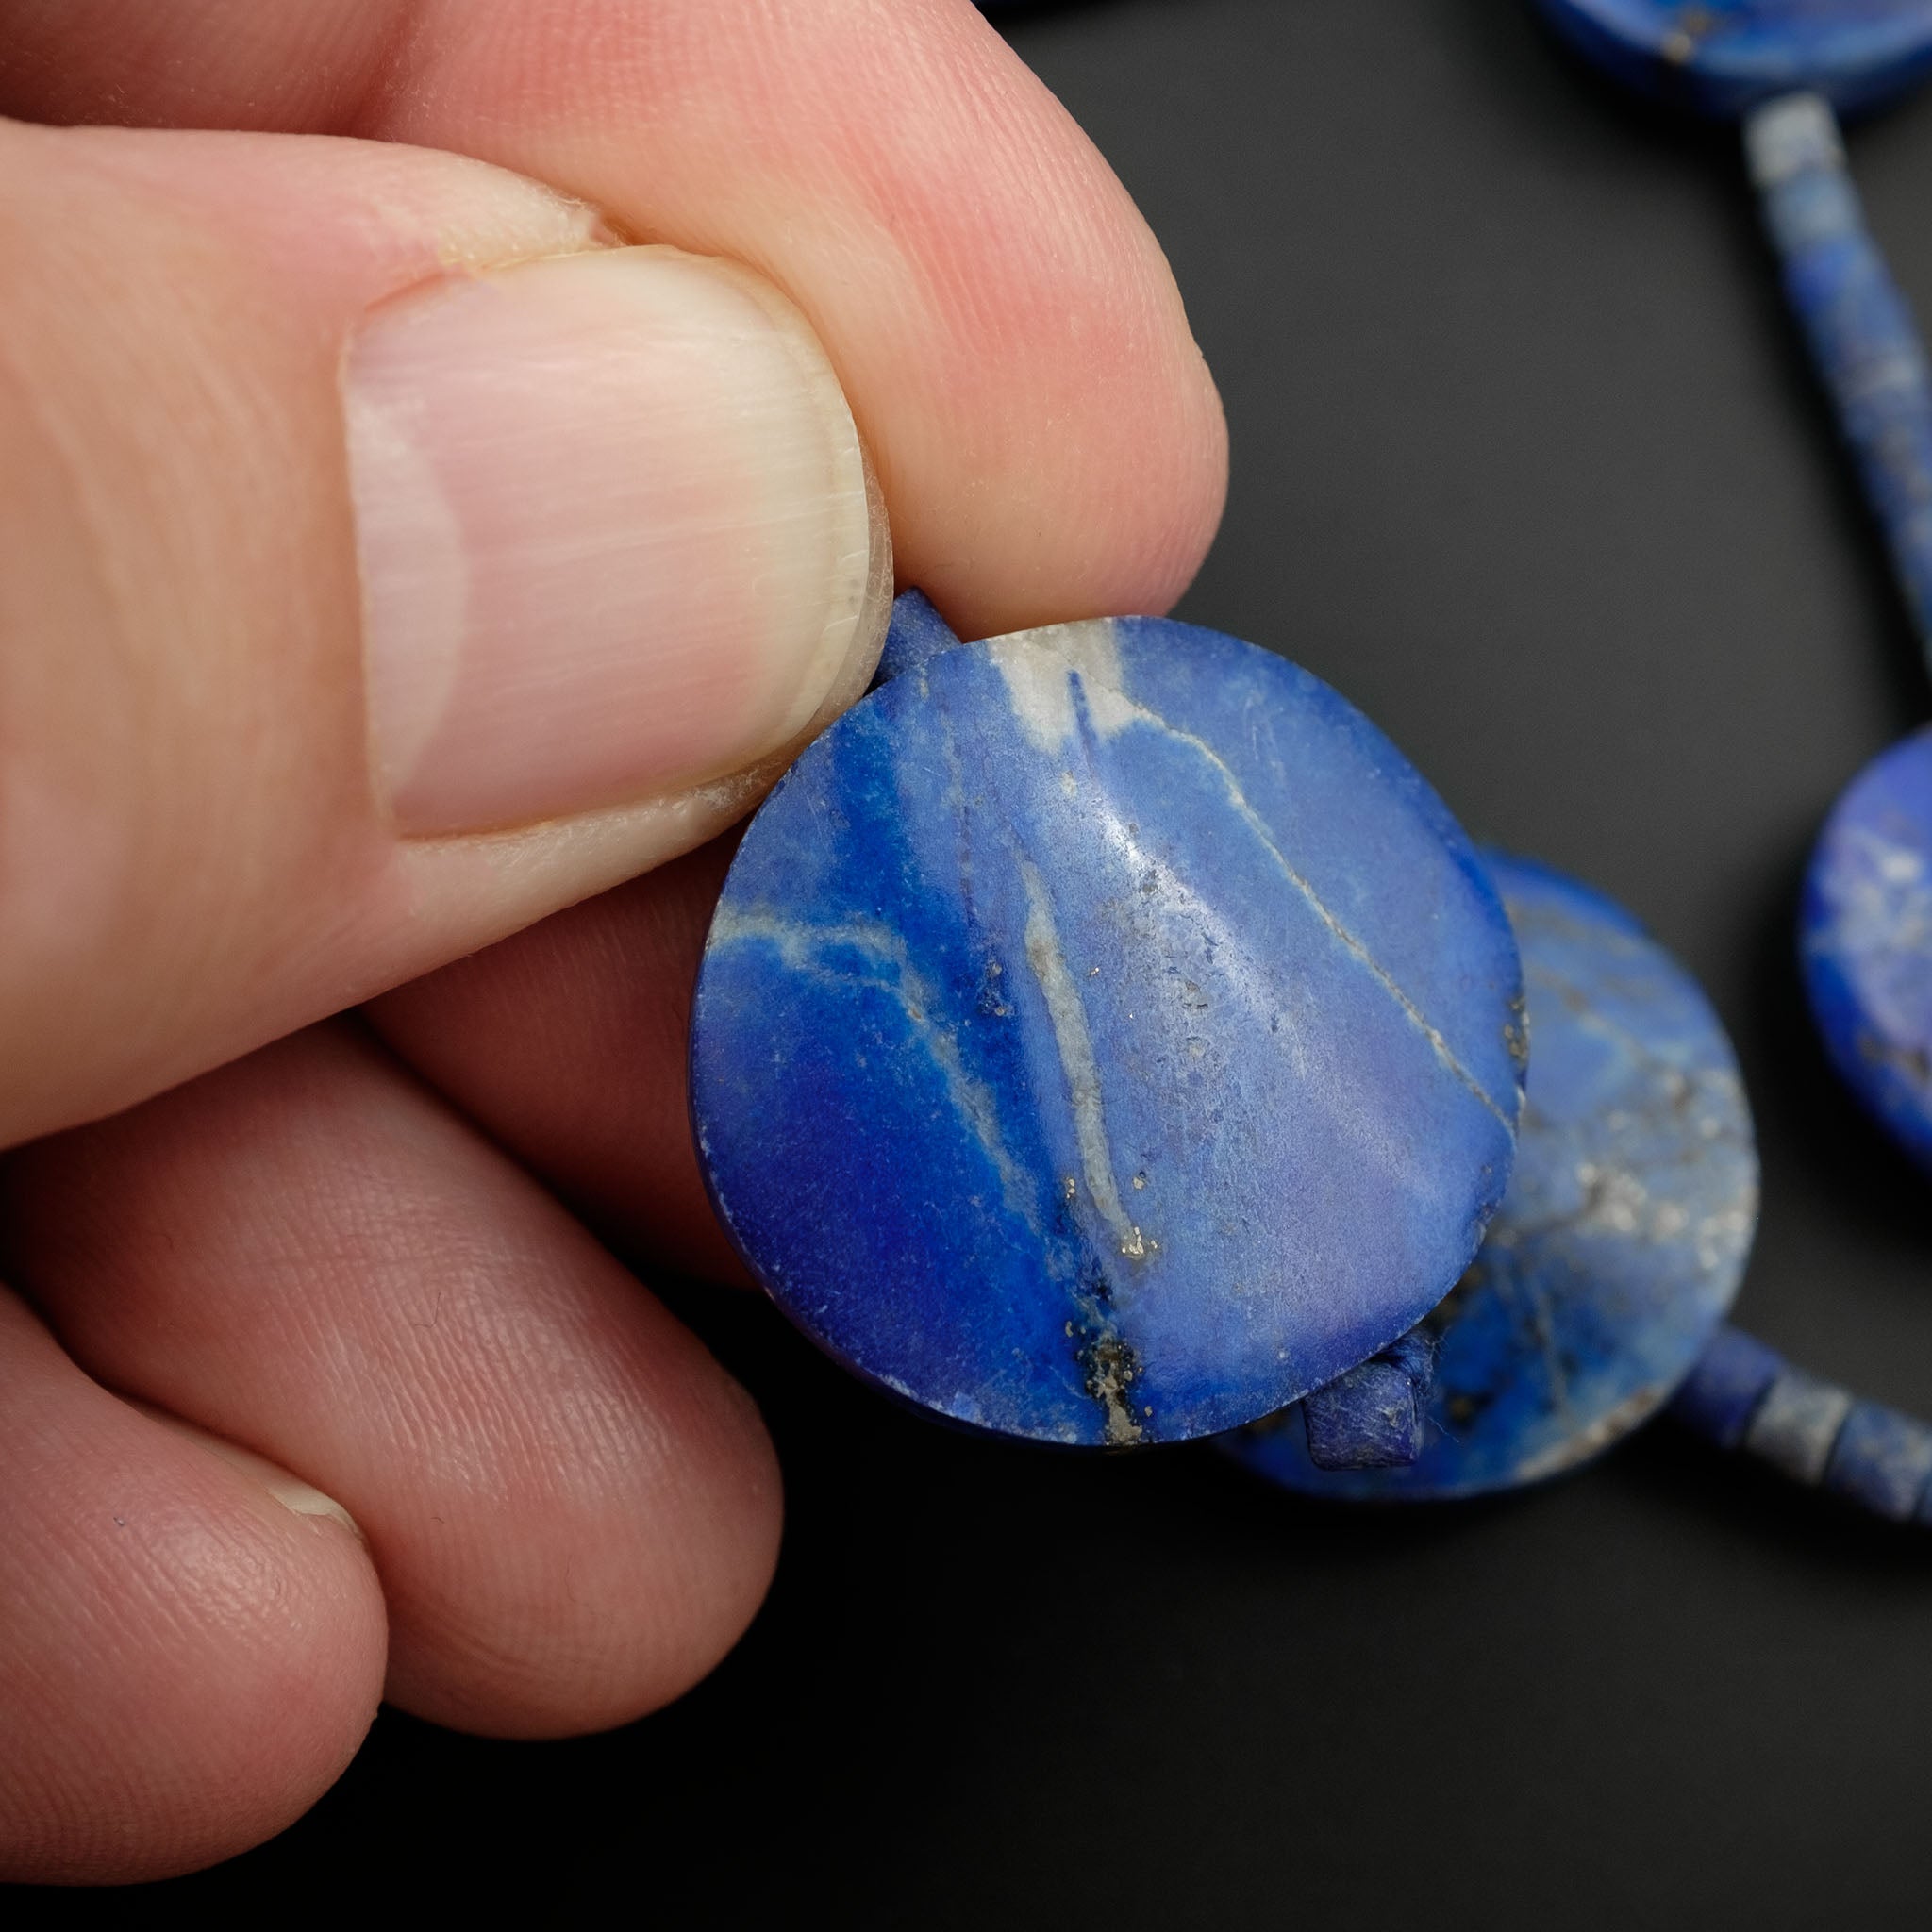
[
  {"x": 1722, "y": 57},
  {"x": 1865, "y": 936},
  {"x": 1106, "y": 1035},
  {"x": 1625, "y": 1233}
]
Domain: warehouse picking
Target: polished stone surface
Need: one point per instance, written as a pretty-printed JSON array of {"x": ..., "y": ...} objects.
[
  {"x": 1625, "y": 1233},
  {"x": 1106, "y": 1035},
  {"x": 1725, "y": 57},
  {"x": 1865, "y": 939}
]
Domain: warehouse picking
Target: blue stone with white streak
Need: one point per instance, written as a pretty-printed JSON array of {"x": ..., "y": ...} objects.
[
  {"x": 1624, "y": 1234},
  {"x": 1865, "y": 939},
  {"x": 1723, "y": 58},
  {"x": 1106, "y": 1035}
]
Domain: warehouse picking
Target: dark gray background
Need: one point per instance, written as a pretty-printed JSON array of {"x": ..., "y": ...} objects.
[{"x": 1525, "y": 462}]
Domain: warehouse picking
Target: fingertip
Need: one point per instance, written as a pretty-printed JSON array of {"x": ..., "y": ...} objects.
[
  {"x": 618, "y": 1601},
  {"x": 637, "y": 1536},
  {"x": 573, "y": 1508},
  {"x": 186, "y": 1663}
]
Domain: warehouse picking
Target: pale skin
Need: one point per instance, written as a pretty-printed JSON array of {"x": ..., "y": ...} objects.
[{"x": 487, "y": 1476}]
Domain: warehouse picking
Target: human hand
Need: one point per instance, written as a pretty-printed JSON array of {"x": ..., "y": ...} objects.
[{"x": 617, "y": 559}]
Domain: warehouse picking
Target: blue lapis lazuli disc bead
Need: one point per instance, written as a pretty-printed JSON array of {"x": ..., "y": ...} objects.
[
  {"x": 1865, "y": 937},
  {"x": 1625, "y": 1233},
  {"x": 1722, "y": 57},
  {"x": 1106, "y": 1035}
]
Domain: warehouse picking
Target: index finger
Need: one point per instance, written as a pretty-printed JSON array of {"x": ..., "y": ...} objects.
[{"x": 1016, "y": 353}]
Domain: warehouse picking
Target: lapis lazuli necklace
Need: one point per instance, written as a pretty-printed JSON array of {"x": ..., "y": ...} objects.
[{"x": 1107, "y": 1037}]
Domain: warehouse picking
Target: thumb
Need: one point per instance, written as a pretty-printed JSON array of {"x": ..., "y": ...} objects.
[{"x": 386, "y": 560}]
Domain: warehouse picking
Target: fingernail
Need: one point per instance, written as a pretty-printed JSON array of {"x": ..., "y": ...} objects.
[
  {"x": 615, "y": 532},
  {"x": 291, "y": 1492}
]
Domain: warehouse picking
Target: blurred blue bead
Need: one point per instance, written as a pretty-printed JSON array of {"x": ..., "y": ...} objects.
[
  {"x": 1722, "y": 1393},
  {"x": 1722, "y": 57},
  {"x": 1857, "y": 325},
  {"x": 1882, "y": 1462},
  {"x": 1796, "y": 1424},
  {"x": 1865, "y": 937}
]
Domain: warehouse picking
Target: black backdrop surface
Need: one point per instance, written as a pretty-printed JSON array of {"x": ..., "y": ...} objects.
[{"x": 1526, "y": 463}]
